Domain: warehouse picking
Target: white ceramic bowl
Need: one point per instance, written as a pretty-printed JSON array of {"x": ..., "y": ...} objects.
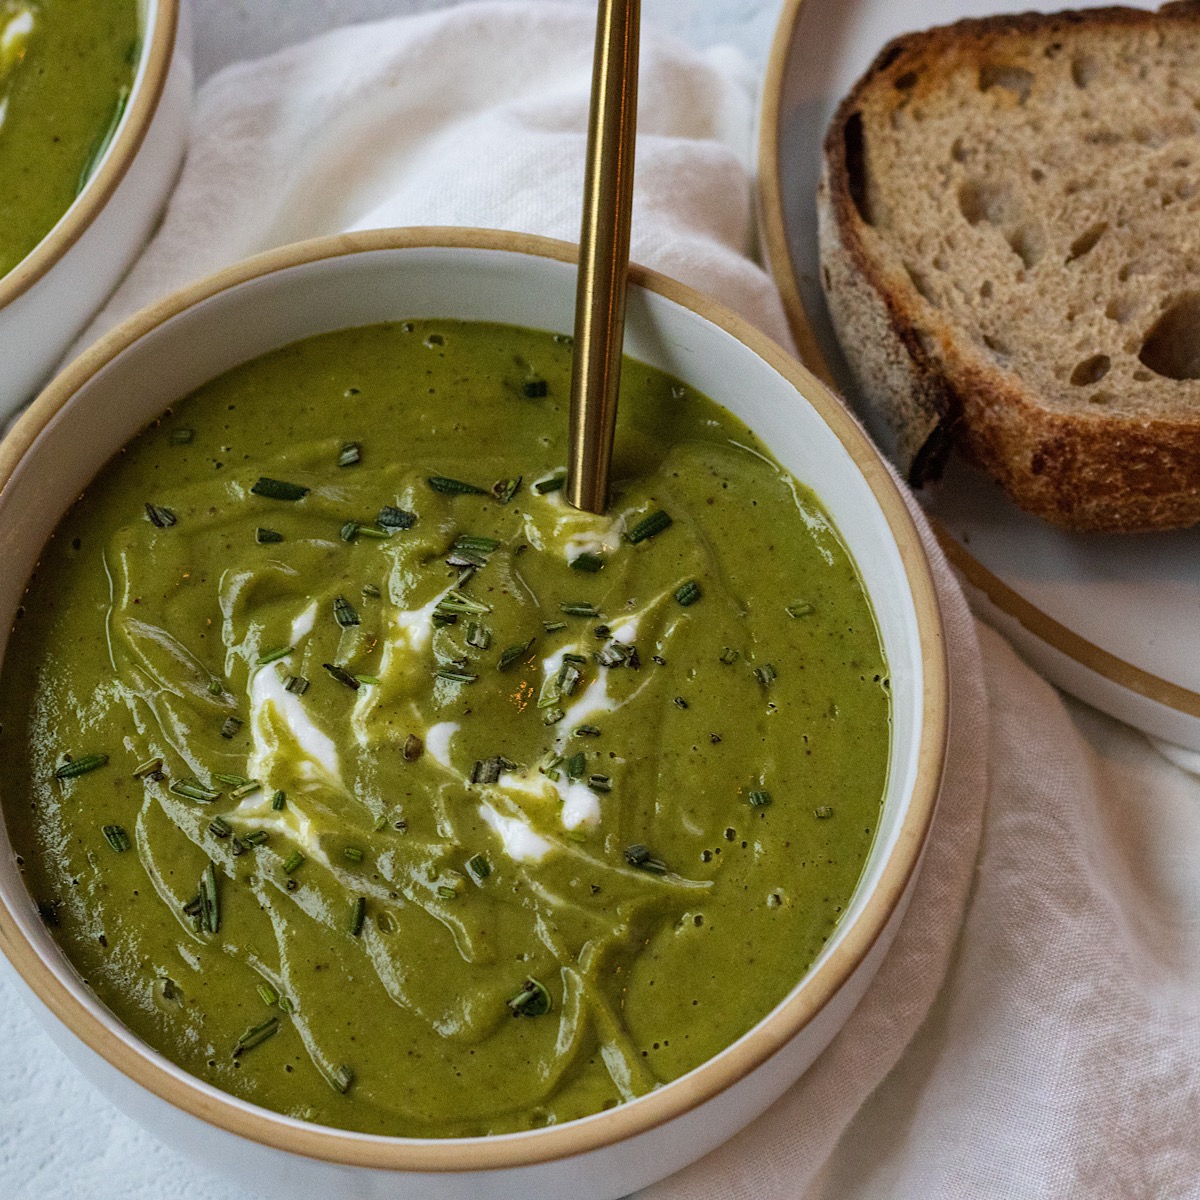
[
  {"x": 51, "y": 294},
  {"x": 113, "y": 390}
]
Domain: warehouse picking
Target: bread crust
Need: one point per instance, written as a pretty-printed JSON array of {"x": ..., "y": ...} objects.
[{"x": 933, "y": 386}]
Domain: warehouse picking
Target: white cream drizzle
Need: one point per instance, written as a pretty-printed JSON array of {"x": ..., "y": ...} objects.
[
  {"x": 315, "y": 751},
  {"x": 16, "y": 30},
  {"x": 302, "y": 626},
  {"x": 292, "y": 822},
  {"x": 437, "y": 742},
  {"x": 521, "y": 842},
  {"x": 580, "y": 806},
  {"x": 413, "y": 627}
]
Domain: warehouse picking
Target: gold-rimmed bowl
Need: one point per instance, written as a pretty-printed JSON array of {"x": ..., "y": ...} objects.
[
  {"x": 52, "y": 293},
  {"x": 112, "y": 391}
]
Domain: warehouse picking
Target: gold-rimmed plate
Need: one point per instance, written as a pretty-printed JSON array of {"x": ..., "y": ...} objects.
[{"x": 1108, "y": 618}]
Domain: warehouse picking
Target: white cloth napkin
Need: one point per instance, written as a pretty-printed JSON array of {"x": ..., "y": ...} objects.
[{"x": 1060, "y": 1056}]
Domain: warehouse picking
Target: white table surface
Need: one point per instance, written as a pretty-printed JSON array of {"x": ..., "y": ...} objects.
[{"x": 59, "y": 1139}]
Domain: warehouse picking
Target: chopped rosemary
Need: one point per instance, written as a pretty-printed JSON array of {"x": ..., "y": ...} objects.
[
  {"x": 616, "y": 654},
  {"x": 478, "y": 868},
  {"x": 344, "y": 613},
  {"x": 373, "y": 532},
  {"x": 391, "y": 517},
  {"x": 343, "y": 677},
  {"x": 648, "y": 526},
  {"x": 353, "y": 854},
  {"x": 576, "y": 765},
  {"x": 587, "y": 562},
  {"x": 552, "y": 716},
  {"x": 600, "y": 783},
  {"x": 229, "y": 780},
  {"x": 369, "y": 680},
  {"x": 555, "y": 483},
  {"x": 587, "y": 731},
  {"x": 446, "y": 892},
  {"x": 569, "y": 676},
  {"x": 554, "y": 626},
  {"x": 759, "y": 799},
  {"x": 349, "y": 531},
  {"x": 159, "y": 517},
  {"x": 279, "y": 801},
  {"x": 688, "y": 593},
  {"x": 680, "y": 702},
  {"x": 210, "y": 906},
  {"x": 729, "y": 656},
  {"x": 350, "y": 454},
  {"x": 278, "y": 489},
  {"x": 341, "y": 1079},
  {"x": 371, "y": 591},
  {"x": 454, "y": 603},
  {"x": 257, "y": 837},
  {"x": 765, "y": 674},
  {"x": 577, "y": 608},
  {"x": 413, "y": 748},
  {"x": 533, "y": 1000},
  {"x": 152, "y": 766},
  {"x": 116, "y": 837},
  {"x": 505, "y": 489},
  {"x": 181, "y": 437},
  {"x": 275, "y": 655},
  {"x": 822, "y": 812},
  {"x": 219, "y": 827},
  {"x": 270, "y": 997},
  {"x": 479, "y": 636},
  {"x": 256, "y": 1035},
  {"x": 534, "y": 389},
  {"x": 215, "y": 687},
  {"x": 455, "y": 674},
  {"x": 358, "y": 914},
  {"x": 296, "y": 684},
  {"x": 639, "y": 856},
  {"x": 489, "y": 770},
  {"x": 454, "y": 487},
  {"x": 293, "y": 862},
  {"x": 247, "y": 789},
  {"x": 80, "y": 766},
  {"x": 602, "y": 632},
  {"x": 230, "y": 726},
  {"x": 266, "y": 536},
  {"x": 192, "y": 789},
  {"x": 801, "y": 608},
  {"x": 477, "y": 545},
  {"x": 549, "y": 766}
]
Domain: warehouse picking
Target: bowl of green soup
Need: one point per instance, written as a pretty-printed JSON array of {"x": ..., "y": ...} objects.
[
  {"x": 379, "y": 824},
  {"x": 94, "y": 102}
]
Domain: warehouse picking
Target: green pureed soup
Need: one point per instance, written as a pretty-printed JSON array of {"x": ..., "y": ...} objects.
[
  {"x": 367, "y": 780},
  {"x": 66, "y": 69}
]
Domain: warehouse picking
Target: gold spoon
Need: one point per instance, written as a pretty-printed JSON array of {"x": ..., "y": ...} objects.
[{"x": 603, "y": 254}]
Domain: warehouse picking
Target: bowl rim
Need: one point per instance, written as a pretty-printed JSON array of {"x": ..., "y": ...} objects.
[
  {"x": 551, "y": 1143},
  {"x": 99, "y": 189}
]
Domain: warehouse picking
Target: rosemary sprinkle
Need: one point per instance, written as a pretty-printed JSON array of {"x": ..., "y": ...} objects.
[
  {"x": 279, "y": 489},
  {"x": 116, "y": 837},
  {"x": 80, "y": 766}
]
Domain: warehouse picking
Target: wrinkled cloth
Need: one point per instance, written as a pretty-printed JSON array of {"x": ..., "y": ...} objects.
[{"x": 1033, "y": 1030}]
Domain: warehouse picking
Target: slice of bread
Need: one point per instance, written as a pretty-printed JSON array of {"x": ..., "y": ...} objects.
[{"x": 1010, "y": 246}]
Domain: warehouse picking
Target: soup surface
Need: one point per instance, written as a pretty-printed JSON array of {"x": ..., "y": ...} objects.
[
  {"x": 66, "y": 69},
  {"x": 366, "y": 779}
]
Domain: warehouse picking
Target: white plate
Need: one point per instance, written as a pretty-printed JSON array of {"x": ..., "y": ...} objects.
[{"x": 1111, "y": 619}]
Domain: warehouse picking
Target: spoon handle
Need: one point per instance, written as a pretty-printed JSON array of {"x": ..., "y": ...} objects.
[{"x": 603, "y": 254}]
